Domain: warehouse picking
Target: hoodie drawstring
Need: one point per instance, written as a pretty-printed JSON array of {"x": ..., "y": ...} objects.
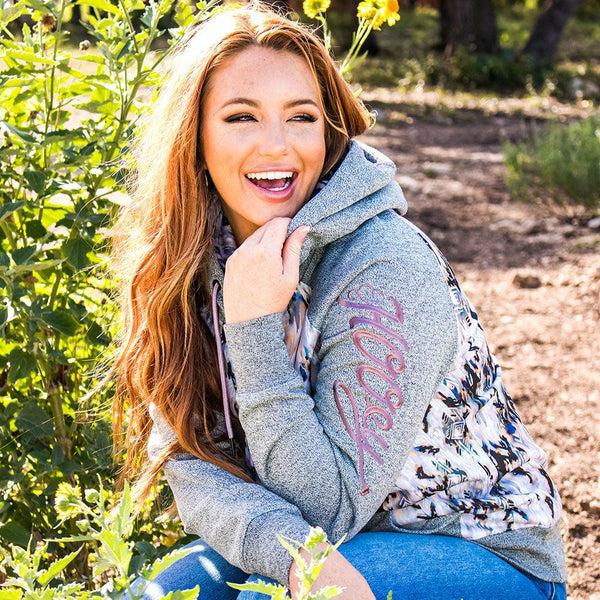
[{"x": 224, "y": 395}]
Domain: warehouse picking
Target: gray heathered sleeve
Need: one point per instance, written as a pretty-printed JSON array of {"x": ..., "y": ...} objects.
[
  {"x": 238, "y": 519},
  {"x": 390, "y": 335}
]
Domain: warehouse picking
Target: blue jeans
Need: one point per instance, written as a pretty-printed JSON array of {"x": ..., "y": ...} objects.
[{"x": 413, "y": 566}]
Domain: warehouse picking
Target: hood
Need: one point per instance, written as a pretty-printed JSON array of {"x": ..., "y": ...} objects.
[{"x": 362, "y": 187}]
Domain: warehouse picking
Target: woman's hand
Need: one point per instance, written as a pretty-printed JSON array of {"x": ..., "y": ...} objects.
[
  {"x": 262, "y": 274},
  {"x": 335, "y": 571}
]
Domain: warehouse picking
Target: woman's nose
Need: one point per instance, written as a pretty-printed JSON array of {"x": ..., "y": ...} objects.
[{"x": 273, "y": 141}]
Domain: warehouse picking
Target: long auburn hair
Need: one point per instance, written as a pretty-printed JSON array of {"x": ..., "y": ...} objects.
[{"x": 163, "y": 239}]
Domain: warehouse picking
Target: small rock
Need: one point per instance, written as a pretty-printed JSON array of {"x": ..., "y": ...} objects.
[
  {"x": 594, "y": 223},
  {"x": 532, "y": 227},
  {"x": 591, "y": 506},
  {"x": 528, "y": 282}
]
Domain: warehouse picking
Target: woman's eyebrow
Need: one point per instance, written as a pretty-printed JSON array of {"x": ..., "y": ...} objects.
[{"x": 256, "y": 104}]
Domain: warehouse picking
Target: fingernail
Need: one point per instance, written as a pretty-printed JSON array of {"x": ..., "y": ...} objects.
[{"x": 304, "y": 229}]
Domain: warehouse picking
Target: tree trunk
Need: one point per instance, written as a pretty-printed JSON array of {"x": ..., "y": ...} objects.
[
  {"x": 468, "y": 23},
  {"x": 544, "y": 39}
]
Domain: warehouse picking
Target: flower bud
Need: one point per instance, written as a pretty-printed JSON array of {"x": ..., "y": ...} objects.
[{"x": 47, "y": 22}]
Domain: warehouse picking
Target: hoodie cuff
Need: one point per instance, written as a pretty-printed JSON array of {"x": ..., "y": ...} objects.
[
  {"x": 258, "y": 352},
  {"x": 261, "y": 546}
]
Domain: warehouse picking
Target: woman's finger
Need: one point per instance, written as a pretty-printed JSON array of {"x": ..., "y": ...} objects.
[
  {"x": 291, "y": 252},
  {"x": 271, "y": 232},
  {"x": 274, "y": 234}
]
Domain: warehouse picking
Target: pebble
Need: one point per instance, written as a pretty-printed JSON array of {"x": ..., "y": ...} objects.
[
  {"x": 594, "y": 223},
  {"x": 529, "y": 282}
]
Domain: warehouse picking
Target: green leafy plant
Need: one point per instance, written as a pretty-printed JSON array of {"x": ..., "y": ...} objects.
[
  {"x": 66, "y": 118},
  {"x": 561, "y": 165},
  {"x": 108, "y": 525},
  {"x": 307, "y": 572},
  {"x": 32, "y": 582}
]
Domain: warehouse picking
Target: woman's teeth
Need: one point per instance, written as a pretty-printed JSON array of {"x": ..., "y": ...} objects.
[
  {"x": 271, "y": 175},
  {"x": 274, "y": 181}
]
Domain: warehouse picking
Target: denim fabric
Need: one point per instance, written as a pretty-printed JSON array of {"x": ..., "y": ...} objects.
[{"x": 413, "y": 566}]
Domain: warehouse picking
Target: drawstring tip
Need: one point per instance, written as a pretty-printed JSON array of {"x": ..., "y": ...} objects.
[{"x": 232, "y": 446}]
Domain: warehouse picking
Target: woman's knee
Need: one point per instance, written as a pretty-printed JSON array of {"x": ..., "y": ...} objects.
[{"x": 202, "y": 567}]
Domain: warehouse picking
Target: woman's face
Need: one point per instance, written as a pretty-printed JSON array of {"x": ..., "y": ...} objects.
[{"x": 263, "y": 136}]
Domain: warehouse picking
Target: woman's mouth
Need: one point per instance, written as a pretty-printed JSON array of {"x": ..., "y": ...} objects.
[{"x": 272, "y": 181}]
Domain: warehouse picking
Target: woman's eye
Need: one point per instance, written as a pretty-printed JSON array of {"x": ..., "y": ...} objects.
[
  {"x": 304, "y": 117},
  {"x": 237, "y": 118}
]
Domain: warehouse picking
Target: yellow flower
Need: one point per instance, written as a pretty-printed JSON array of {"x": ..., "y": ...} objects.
[
  {"x": 312, "y": 8},
  {"x": 379, "y": 12},
  {"x": 67, "y": 501}
]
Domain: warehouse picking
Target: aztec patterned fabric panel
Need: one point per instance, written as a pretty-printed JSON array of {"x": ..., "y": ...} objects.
[{"x": 474, "y": 455}]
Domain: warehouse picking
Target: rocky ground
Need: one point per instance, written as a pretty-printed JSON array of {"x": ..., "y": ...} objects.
[{"x": 532, "y": 273}]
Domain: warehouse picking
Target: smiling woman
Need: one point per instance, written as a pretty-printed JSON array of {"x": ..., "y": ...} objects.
[{"x": 295, "y": 353}]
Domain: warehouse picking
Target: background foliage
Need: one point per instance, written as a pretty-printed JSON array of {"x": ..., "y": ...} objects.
[{"x": 66, "y": 117}]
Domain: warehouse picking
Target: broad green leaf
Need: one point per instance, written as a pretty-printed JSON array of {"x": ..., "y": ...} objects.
[
  {"x": 34, "y": 419},
  {"x": 115, "y": 549},
  {"x": 158, "y": 566},
  {"x": 26, "y": 55},
  {"x": 62, "y": 321},
  {"x": 101, "y": 5},
  {"x": 14, "y": 533},
  {"x": 10, "y": 594},
  {"x": 35, "y": 229},
  {"x": 61, "y": 135},
  {"x": 123, "y": 512},
  {"x": 58, "y": 455},
  {"x": 39, "y": 266},
  {"x": 66, "y": 68},
  {"x": 260, "y": 586},
  {"x": 56, "y": 568},
  {"x": 183, "y": 14},
  {"x": 76, "y": 251},
  {"x": 21, "y": 133},
  {"x": 92, "y": 58},
  {"x": 331, "y": 591},
  {"x": 22, "y": 365},
  {"x": 75, "y": 538},
  {"x": 21, "y": 256},
  {"x": 126, "y": 49},
  {"x": 183, "y": 594},
  {"x": 36, "y": 180},
  {"x": 43, "y": 7},
  {"x": 9, "y": 208},
  {"x": 101, "y": 565},
  {"x": 9, "y": 13},
  {"x": 148, "y": 15}
]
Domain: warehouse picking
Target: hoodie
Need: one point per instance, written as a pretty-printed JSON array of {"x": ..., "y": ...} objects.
[{"x": 386, "y": 413}]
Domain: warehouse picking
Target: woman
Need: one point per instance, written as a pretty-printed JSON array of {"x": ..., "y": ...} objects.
[{"x": 350, "y": 385}]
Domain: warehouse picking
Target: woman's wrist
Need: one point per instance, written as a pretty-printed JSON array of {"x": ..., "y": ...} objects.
[{"x": 293, "y": 579}]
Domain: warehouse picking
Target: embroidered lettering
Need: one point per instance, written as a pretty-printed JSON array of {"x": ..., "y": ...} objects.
[{"x": 380, "y": 408}]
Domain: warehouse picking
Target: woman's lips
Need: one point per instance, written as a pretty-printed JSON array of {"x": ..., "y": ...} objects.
[{"x": 274, "y": 189}]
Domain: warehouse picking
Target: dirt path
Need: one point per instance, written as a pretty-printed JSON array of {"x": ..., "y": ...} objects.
[{"x": 545, "y": 335}]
